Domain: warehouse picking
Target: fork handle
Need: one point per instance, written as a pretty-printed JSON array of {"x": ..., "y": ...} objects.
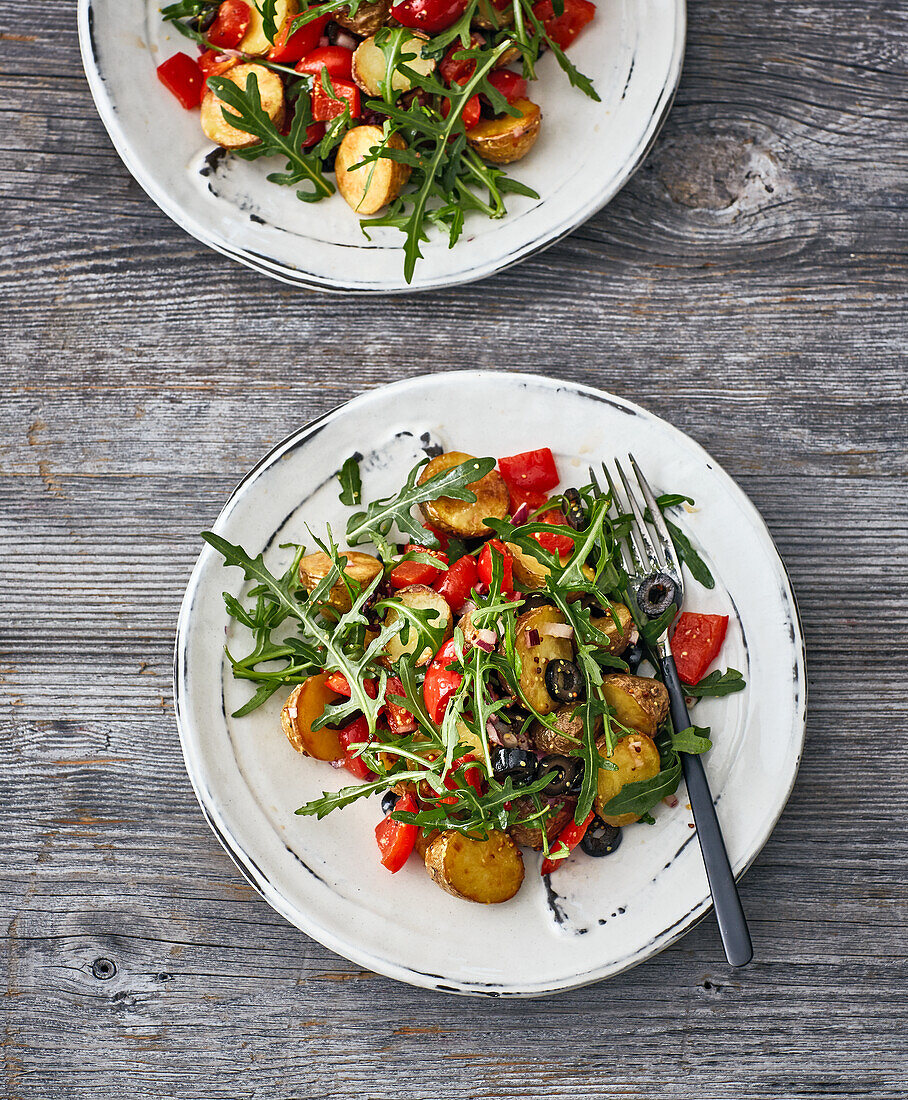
[{"x": 729, "y": 912}]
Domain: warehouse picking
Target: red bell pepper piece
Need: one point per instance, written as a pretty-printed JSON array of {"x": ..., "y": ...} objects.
[
  {"x": 182, "y": 76},
  {"x": 337, "y": 60},
  {"x": 230, "y": 24},
  {"x": 696, "y": 643},
  {"x": 533, "y": 470},
  {"x": 416, "y": 572},
  {"x": 459, "y": 581},
  {"x": 443, "y": 539},
  {"x": 484, "y": 565},
  {"x": 355, "y": 733},
  {"x": 325, "y": 108},
  {"x": 397, "y": 838},
  {"x": 430, "y": 16},
  {"x": 441, "y": 682},
  {"x": 400, "y": 720},
  {"x": 472, "y": 775},
  {"x": 289, "y": 48},
  {"x": 511, "y": 85},
  {"x": 471, "y": 113},
  {"x": 557, "y": 544},
  {"x": 459, "y": 70},
  {"x": 570, "y": 835},
  {"x": 564, "y": 28}
]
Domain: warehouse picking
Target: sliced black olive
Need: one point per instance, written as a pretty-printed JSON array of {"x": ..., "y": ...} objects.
[
  {"x": 564, "y": 681},
  {"x": 388, "y": 802},
  {"x": 518, "y": 764},
  {"x": 634, "y": 654},
  {"x": 655, "y": 594},
  {"x": 202, "y": 22},
  {"x": 600, "y": 839},
  {"x": 574, "y": 512},
  {"x": 533, "y": 600},
  {"x": 566, "y": 774}
]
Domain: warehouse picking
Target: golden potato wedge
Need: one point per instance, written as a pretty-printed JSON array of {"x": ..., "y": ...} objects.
[
  {"x": 361, "y": 568},
  {"x": 535, "y": 658},
  {"x": 639, "y": 702},
  {"x": 369, "y": 65},
  {"x": 567, "y": 738},
  {"x": 459, "y": 517},
  {"x": 306, "y": 703},
  {"x": 504, "y": 139},
  {"x": 530, "y": 836},
  {"x": 468, "y": 737},
  {"x": 425, "y": 599},
  {"x": 531, "y": 572},
  {"x": 368, "y": 188},
  {"x": 485, "y": 871},
  {"x": 637, "y": 758},
  {"x": 255, "y": 41},
  {"x": 271, "y": 93},
  {"x": 423, "y": 840},
  {"x": 369, "y": 18},
  {"x": 618, "y": 624}
]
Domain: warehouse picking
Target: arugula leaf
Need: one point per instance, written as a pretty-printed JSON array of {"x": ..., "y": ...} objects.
[
  {"x": 717, "y": 684},
  {"x": 375, "y": 523},
  {"x": 692, "y": 740},
  {"x": 350, "y": 481},
  {"x": 640, "y": 797},
  {"x": 268, "y": 9},
  {"x": 699, "y": 570}
]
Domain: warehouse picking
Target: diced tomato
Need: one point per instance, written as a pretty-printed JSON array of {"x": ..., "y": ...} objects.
[
  {"x": 532, "y": 470},
  {"x": 416, "y": 572},
  {"x": 557, "y": 544},
  {"x": 511, "y": 85},
  {"x": 471, "y": 113},
  {"x": 459, "y": 581},
  {"x": 564, "y": 28},
  {"x": 397, "y": 838},
  {"x": 441, "y": 682},
  {"x": 570, "y": 835},
  {"x": 472, "y": 775},
  {"x": 340, "y": 685},
  {"x": 213, "y": 63},
  {"x": 315, "y": 131},
  {"x": 430, "y": 16},
  {"x": 289, "y": 48},
  {"x": 484, "y": 565},
  {"x": 443, "y": 539},
  {"x": 337, "y": 60},
  {"x": 181, "y": 75},
  {"x": 459, "y": 70},
  {"x": 324, "y": 107},
  {"x": 354, "y": 734},
  {"x": 230, "y": 24},
  {"x": 531, "y": 497},
  {"x": 400, "y": 720},
  {"x": 696, "y": 643}
]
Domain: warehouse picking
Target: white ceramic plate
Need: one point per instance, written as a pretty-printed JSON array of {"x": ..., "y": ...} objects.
[
  {"x": 585, "y": 154},
  {"x": 324, "y": 877}
]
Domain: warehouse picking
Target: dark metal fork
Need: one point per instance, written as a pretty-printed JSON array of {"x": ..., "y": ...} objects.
[{"x": 651, "y": 556}]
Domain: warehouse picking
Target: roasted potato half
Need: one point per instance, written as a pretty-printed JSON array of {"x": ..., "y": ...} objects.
[
  {"x": 306, "y": 703},
  {"x": 271, "y": 93},
  {"x": 425, "y": 599},
  {"x": 361, "y": 568},
  {"x": 370, "y": 187},
  {"x": 530, "y": 571},
  {"x": 459, "y": 517},
  {"x": 639, "y": 702},
  {"x": 618, "y": 624},
  {"x": 369, "y": 65},
  {"x": 530, "y": 836},
  {"x": 423, "y": 840},
  {"x": 486, "y": 871},
  {"x": 531, "y": 627},
  {"x": 255, "y": 41},
  {"x": 369, "y": 18},
  {"x": 637, "y": 758},
  {"x": 504, "y": 139},
  {"x": 567, "y": 738}
]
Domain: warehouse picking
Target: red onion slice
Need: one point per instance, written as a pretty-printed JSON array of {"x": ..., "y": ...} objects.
[
  {"x": 532, "y": 637},
  {"x": 521, "y": 515}
]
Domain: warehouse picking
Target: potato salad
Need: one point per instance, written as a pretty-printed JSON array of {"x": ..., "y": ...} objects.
[
  {"x": 474, "y": 658},
  {"x": 409, "y": 110}
]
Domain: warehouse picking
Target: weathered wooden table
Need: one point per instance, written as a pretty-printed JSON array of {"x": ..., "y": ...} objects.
[{"x": 749, "y": 284}]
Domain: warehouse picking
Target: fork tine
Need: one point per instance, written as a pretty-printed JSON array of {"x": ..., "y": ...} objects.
[
  {"x": 659, "y": 524},
  {"x": 639, "y": 531},
  {"x": 632, "y": 563},
  {"x": 596, "y": 485}
]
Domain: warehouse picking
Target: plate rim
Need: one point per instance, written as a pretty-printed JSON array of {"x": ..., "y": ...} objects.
[
  {"x": 384, "y": 966},
  {"x": 264, "y": 265}
]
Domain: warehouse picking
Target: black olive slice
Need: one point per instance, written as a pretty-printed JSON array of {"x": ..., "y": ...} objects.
[
  {"x": 564, "y": 681},
  {"x": 600, "y": 839},
  {"x": 655, "y": 594}
]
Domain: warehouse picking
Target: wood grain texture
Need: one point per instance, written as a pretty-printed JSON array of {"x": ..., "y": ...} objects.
[{"x": 748, "y": 284}]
